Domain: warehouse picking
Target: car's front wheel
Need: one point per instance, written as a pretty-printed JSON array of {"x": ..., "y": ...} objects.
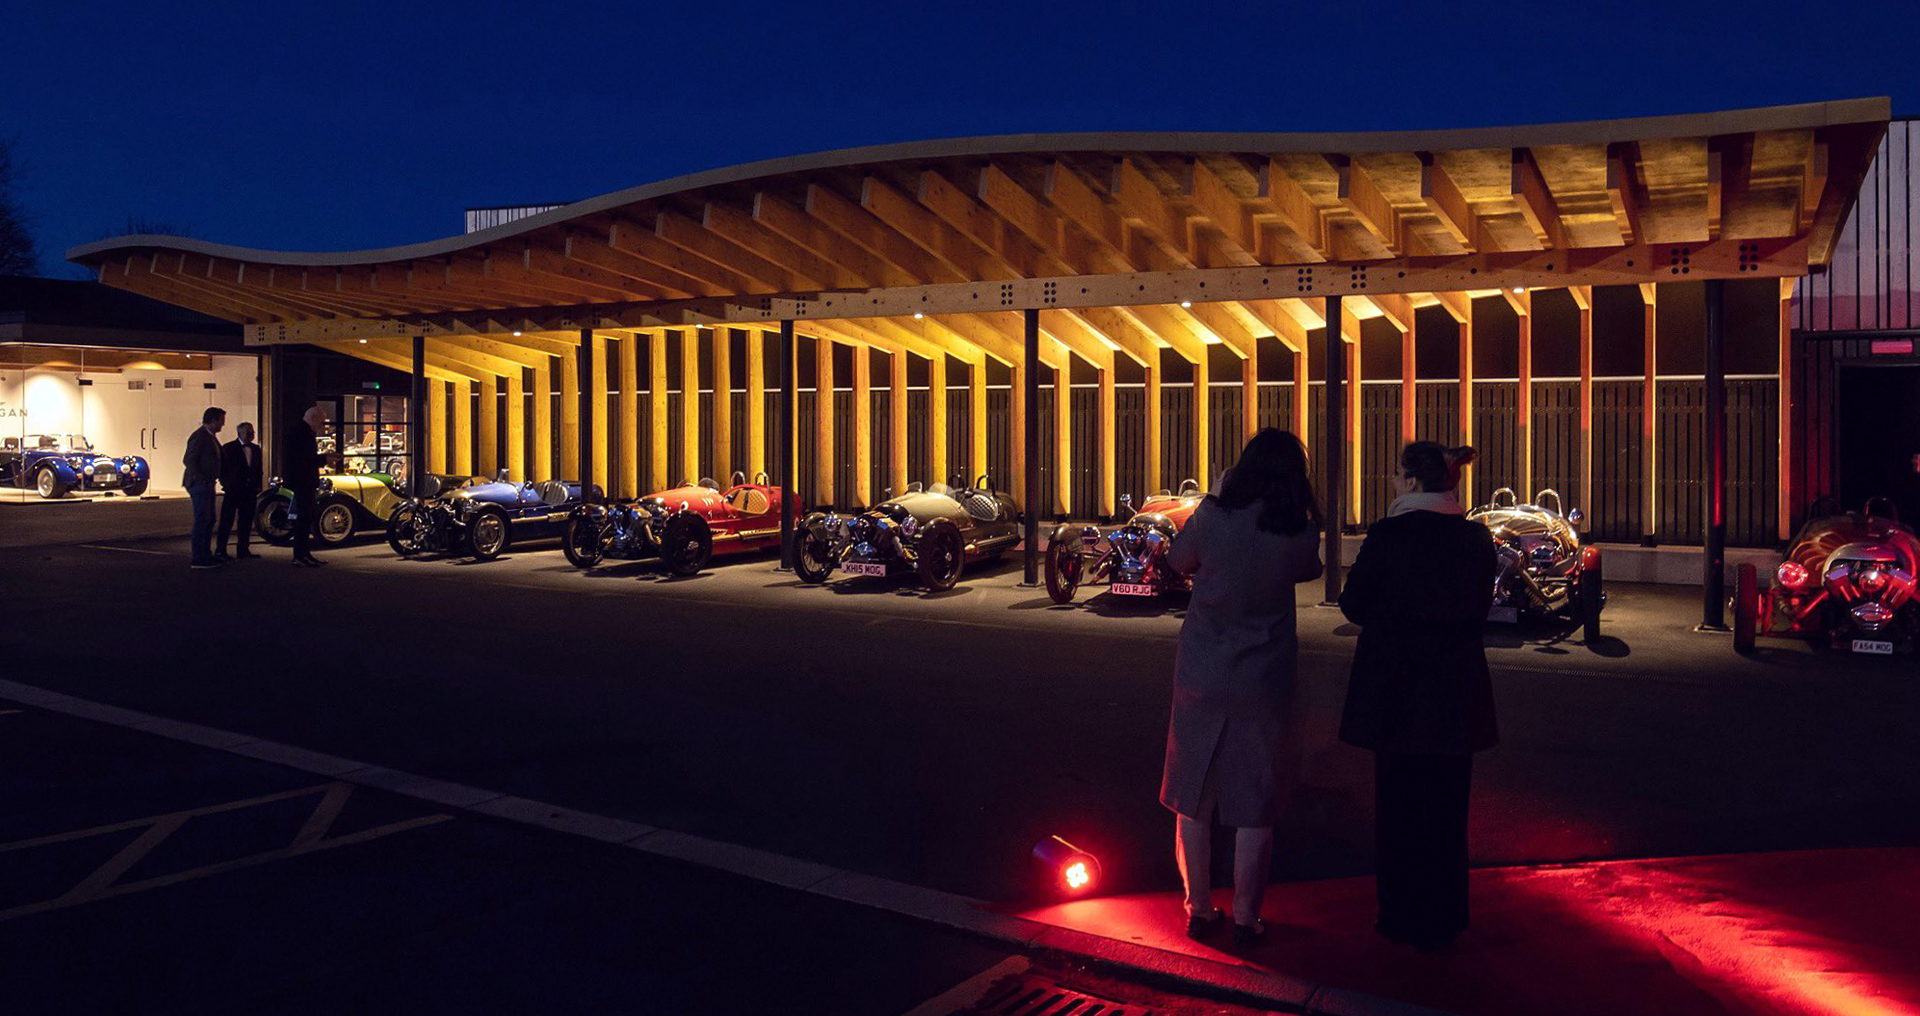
[
  {"x": 270, "y": 520},
  {"x": 941, "y": 552},
  {"x": 1063, "y": 568},
  {"x": 812, "y": 556},
  {"x": 1746, "y": 607},
  {"x": 686, "y": 545},
  {"x": 48, "y": 484},
  {"x": 487, "y": 534},
  {"x": 335, "y": 524},
  {"x": 405, "y": 531},
  {"x": 583, "y": 543},
  {"x": 134, "y": 488}
]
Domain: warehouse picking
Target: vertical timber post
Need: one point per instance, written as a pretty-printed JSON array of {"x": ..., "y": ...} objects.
[
  {"x": 1030, "y": 573},
  {"x": 1714, "y": 567},
  {"x": 585, "y": 389},
  {"x": 790, "y": 426},
  {"x": 1333, "y": 456},
  {"x": 416, "y": 418}
]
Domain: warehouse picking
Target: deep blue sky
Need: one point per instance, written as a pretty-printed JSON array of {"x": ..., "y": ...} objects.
[{"x": 341, "y": 125}]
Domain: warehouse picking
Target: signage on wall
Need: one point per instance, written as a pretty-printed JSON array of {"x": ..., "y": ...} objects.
[{"x": 11, "y": 412}]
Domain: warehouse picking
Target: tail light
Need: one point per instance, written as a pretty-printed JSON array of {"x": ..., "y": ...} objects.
[{"x": 1791, "y": 574}]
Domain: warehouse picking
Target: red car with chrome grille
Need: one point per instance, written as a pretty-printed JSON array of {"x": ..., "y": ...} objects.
[{"x": 1847, "y": 582}]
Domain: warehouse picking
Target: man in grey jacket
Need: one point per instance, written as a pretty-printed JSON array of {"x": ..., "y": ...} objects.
[{"x": 203, "y": 468}]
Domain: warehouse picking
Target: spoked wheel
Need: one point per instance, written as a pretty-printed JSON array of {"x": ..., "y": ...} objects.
[
  {"x": 583, "y": 544},
  {"x": 1063, "y": 570},
  {"x": 407, "y": 531},
  {"x": 687, "y": 544},
  {"x": 335, "y": 524},
  {"x": 48, "y": 485},
  {"x": 1592, "y": 599},
  {"x": 812, "y": 556},
  {"x": 940, "y": 559},
  {"x": 1746, "y": 608},
  {"x": 487, "y": 534},
  {"x": 270, "y": 521}
]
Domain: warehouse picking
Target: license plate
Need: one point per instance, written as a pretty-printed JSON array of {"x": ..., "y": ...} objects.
[
  {"x": 106, "y": 479},
  {"x": 865, "y": 568},
  {"x": 1134, "y": 589},
  {"x": 1504, "y": 615},
  {"x": 1873, "y": 646}
]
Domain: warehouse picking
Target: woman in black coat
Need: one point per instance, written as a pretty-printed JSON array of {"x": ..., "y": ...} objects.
[{"x": 1420, "y": 697}]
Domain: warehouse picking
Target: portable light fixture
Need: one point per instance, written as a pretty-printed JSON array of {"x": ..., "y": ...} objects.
[{"x": 1067, "y": 869}]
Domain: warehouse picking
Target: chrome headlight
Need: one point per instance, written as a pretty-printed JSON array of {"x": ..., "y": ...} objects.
[
  {"x": 88, "y": 470},
  {"x": 909, "y": 526}
]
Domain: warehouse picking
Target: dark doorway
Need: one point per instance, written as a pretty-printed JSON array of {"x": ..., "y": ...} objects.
[{"x": 1880, "y": 437}]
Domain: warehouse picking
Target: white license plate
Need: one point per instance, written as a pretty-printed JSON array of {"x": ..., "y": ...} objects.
[
  {"x": 1504, "y": 615},
  {"x": 864, "y": 568},
  {"x": 1873, "y": 646},
  {"x": 1134, "y": 589},
  {"x": 106, "y": 479}
]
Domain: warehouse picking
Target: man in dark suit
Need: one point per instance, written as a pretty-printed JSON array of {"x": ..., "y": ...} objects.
[
  {"x": 239, "y": 489},
  {"x": 203, "y": 467},
  {"x": 303, "y": 479}
]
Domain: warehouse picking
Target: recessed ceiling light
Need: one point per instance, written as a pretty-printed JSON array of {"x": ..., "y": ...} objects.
[
  {"x": 516, "y": 335},
  {"x": 363, "y": 342},
  {"x": 917, "y": 315},
  {"x": 1186, "y": 303},
  {"x": 1519, "y": 289}
]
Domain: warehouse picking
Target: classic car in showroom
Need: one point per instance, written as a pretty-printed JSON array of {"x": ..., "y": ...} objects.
[
  {"x": 932, "y": 532},
  {"x": 483, "y": 519},
  {"x": 344, "y": 505},
  {"x": 1544, "y": 571},
  {"x": 1131, "y": 557},
  {"x": 55, "y": 465},
  {"x": 683, "y": 527},
  {"x": 1846, "y": 583}
]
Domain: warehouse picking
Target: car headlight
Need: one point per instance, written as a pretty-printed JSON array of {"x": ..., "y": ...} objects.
[
  {"x": 909, "y": 526},
  {"x": 126, "y": 467},
  {"x": 88, "y": 470}
]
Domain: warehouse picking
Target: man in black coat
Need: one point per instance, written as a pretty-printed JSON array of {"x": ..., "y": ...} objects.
[
  {"x": 240, "y": 472},
  {"x": 1420, "y": 696},
  {"x": 203, "y": 468},
  {"x": 303, "y": 479}
]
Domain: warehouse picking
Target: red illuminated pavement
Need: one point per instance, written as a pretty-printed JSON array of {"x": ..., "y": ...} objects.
[{"x": 1797, "y": 933}]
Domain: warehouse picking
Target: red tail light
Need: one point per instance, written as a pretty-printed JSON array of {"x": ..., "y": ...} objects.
[{"x": 1791, "y": 574}]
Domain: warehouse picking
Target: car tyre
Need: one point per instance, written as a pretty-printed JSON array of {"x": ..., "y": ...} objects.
[
  {"x": 687, "y": 544},
  {"x": 1746, "y": 607},
  {"x": 487, "y": 534},
  {"x": 584, "y": 541},
  {"x": 403, "y": 533},
  {"x": 134, "y": 488},
  {"x": 812, "y": 554},
  {"x": 1063, "y": 566},
  {"x": 1593, "y": 599},
  {"x": 941, "y": 557},
  {"x": 335, "y": 523},
  {"x": 270, "y": 520},
  {"x": 48, "y": 484}
]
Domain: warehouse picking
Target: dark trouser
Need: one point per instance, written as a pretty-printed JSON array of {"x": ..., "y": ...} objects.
[
  {"x": 236, "y": 507},
  {"x": 300, "y": 518},
  {"x": 202, "y": 495},
  {"x": 1420, "y": 836}
]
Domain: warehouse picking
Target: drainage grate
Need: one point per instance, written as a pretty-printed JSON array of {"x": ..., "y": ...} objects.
[{"x": 1038, "y": 996}]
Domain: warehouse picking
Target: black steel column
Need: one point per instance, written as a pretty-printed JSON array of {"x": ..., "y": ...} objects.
[
  {"x": 277, "y": 410},
  {"x": 417, "y": 419},
  {"x": 1030, "y": 573},
  {"x": 1713, "y": 576},
  {"x": 586, "y": 414},
  {"x": 790, "y": 421},
  {"x": 1333, "y": 451}
]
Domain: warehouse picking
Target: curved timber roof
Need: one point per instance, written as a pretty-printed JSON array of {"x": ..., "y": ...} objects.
[{"x": 1132, "y": 219}]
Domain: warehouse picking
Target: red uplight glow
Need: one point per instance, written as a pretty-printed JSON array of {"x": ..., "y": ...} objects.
[{"x": 1077, "y": 876}]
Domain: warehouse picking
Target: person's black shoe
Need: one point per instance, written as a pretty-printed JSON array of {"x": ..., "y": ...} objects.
[
  {"x": 204, "y": 565},
  {"x": 1246, "y": 936},
  {"x": 1203, "y": 925},
  {"x": 221, "y": 557},
  {"x": 243, "y": 555},
  {"x": 306, "y": 562}
]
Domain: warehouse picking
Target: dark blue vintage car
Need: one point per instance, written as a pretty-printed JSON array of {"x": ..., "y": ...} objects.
[
  {"x": 56, "y": 464},
  {"x": 483, "y": 519}
]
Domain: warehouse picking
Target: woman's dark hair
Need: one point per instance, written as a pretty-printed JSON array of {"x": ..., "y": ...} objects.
[
  {"x": 1273, "y": 471},
  {"x": 1434, "y": 465}
]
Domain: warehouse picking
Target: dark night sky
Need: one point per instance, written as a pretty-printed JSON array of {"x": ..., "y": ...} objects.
[{"x": 345, "y": 125}]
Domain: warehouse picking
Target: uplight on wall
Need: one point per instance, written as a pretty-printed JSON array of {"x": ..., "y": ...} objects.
[{"x": 1066, "y": 869}]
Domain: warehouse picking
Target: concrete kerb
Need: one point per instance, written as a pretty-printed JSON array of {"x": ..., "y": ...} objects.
[{"x": 1247, "y": 983}]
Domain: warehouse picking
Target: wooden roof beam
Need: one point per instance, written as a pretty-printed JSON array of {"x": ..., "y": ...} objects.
[
  {"x": 1281, "y": 322},
  {"x": 750, "y": 234},
  {"x": 860, "y": 228},
  {"x": 1046, "y": 226},
  {"x": 510, "y": 266},
  {"x": 1535, "y": 201},
  {"x": 697, "y": 240},
  {"x": 587, "y": 248},
  {"x": 1217, "y": 324},
  {"x": 546, "y": 262},
  {"x": 1444, "y": 199},
  {"x": 935, "y": 237},
  {"x": 1459, "y": 306},
  {"x": 1219, "y": 208},
  {"x": 1396, "y": 308},
  {"x": 1363, "y": 200},
  {"x": 640, "y": 241},
  {"x": 989, "y": 231},
  {"x": 1123, "y": 332},
  {"x": 1085, "y": 341},
  {"x": 1813, "y": 181},
  {"x": 815, "y": 236},
  {"x": 1624, "y": 191},
  {"x": 1287, "y": 202},
  {"x": 1729, "y": 175}
]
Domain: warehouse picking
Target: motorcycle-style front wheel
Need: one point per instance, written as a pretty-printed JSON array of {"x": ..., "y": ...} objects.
[
  {"x": 812, "y": 557},
  {"x": 487, "y": 534},
  {"x": 584, "y": 545},
  {"x": 940, "y": 559},
  {"x": 270, "y": 521},
  {"x": 1063, "y": 570},
  {"x": 405, "y": 531}
]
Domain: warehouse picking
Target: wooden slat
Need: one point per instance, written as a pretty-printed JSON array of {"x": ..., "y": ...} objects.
[
  {"x": 659, "y": 471},
  {"x": 1649, "y": 408},
  {"x": 437, "y": 426},
  {"x": 1104, "y": 445},
  {"x": 462, "y": 417},
  {"x": 1154, "y": 403},
  {"x": 823, "y": 492},
  {"x": 487, "y": 451},
  {"x": 937, "y": 471},
  {"x": 1062, "y": 440},
  {"x": 626, "y": 479},
  {"x": 897, "y": 411},
  {"x": 862, "y": 427},
  {"x": 756, "y": 404},
  {"x": 515, "y": 458},
  {"x": 723, "y": 404},
  {"x": 977, "y": 421}
]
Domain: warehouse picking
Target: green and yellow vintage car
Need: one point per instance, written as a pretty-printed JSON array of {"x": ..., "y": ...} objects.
[{"x": 346, "y": 504}]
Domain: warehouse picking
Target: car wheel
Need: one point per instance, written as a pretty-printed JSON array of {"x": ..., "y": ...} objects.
[
  {"x": 1063, "y": 568},
  {"x": 1592, "y": 599},
  {"x": 487, "y": 534},
  {"x": 1746, "y": 612},
  {"x": 583, "y": 541},
  {"x": 270, "y": 520},
  {"x": 134, "y": 488},
  {"x": 335, "y": 524},
  {"x": 940, "y": 558},
  {"x": 687, "y": 544},
  {"x": 812, "y": 555},
  {"x": 404, "y": 531},
  {"x": 48, "y": 484}
]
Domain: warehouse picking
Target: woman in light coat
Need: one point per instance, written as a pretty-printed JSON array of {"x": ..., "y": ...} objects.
[{"x": 1232, "y": 746}]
